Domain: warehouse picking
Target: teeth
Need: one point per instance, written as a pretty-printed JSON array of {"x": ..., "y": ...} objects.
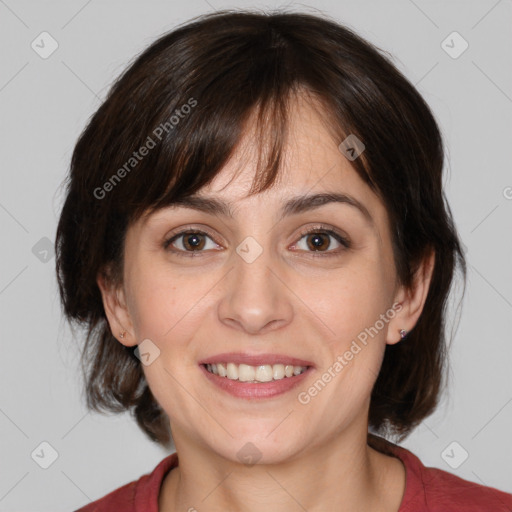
[
  {"x": 278, "y": 371},
  {"x": 262, "y": 373},
  {"x": 232, "y": 371},
  {"x": 297, "y": 370},
  {"x": 246, "y": 373}
]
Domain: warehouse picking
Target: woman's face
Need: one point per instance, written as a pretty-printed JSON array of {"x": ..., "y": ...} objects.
[{"x": 256, "y": 286}]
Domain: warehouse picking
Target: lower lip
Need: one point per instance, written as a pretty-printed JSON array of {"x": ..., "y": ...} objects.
[{"x": 250, "y": 390}]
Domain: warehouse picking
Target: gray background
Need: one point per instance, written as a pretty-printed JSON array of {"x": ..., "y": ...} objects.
[{"x": 44, "y": 105}]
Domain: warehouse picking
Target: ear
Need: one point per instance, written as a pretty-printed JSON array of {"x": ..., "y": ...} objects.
[
  {"x": 117, "y": 313},
  {"x": 412, "y": 300}
]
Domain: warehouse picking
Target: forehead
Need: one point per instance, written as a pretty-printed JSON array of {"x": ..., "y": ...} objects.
[
  {"x": 310, "y": 150},
  {"x": 311, "y": 163}
]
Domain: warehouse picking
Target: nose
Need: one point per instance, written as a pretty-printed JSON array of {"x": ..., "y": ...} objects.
[{"x": 255, "y": 300}]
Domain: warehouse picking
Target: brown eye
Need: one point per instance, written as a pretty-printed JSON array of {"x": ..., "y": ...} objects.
[
  {"x": 189, "y": 241},
  {"x": 193, "y": 241},
  {"x": 319, "y": 241}
]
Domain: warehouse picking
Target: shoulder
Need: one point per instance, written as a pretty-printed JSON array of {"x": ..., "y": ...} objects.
[
  {"x": 136, "y": 496},
  {"x": 443, "y": 491},
  {"x": 430, "y": 489},
  {"x": 119, "y": 499}
]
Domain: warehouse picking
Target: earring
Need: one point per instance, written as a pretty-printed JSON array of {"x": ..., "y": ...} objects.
[
  {"x": 403, "y": 333},
  {"x": 122, "y": 334}
]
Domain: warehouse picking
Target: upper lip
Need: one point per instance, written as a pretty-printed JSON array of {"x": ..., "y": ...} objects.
[{"x": 255, "y": 359}]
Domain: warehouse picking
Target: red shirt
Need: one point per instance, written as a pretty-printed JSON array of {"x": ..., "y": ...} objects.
[{"x": 426, "y": 490}]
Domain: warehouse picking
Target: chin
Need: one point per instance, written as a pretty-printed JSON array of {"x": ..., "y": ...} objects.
[{"x": 259, "y": 442}]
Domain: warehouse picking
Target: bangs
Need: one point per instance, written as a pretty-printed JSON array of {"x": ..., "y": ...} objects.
[
  {"x": 189, "y": 117},
  {"x": 210, "y": 141}
]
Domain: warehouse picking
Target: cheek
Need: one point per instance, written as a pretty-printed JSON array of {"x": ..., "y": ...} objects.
[
  {"x": 152, "y": 307},
  {"x": 156, "y": 297},
  {"x": 353, "y": 307},
  {"x": 351, "y": 303},
  {"x": 167, "y": 307}
]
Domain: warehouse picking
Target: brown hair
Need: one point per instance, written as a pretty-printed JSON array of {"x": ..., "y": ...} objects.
[{"x": 186, "y": 99}]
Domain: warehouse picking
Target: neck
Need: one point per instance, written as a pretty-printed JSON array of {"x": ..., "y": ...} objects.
[{"x": 344, "y": 474}]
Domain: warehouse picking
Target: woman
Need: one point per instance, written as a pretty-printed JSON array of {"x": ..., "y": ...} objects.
[{"x": 256, "y": 237}]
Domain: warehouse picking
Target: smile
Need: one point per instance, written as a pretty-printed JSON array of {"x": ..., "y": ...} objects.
[{"x": 254, "y": 374}]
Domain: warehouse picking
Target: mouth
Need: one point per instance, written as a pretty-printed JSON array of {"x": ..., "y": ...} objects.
[{"x": 255, "y": 376}]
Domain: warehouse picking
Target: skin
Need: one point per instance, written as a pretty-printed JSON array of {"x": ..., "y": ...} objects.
[{"x": 313, "y": 455}]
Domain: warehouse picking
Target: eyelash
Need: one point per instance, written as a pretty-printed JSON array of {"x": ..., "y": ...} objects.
[{"x": 315, "y": 254}]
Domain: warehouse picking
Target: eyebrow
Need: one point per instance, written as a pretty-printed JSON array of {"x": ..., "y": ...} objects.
[{"x": 292, "y": 206}]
